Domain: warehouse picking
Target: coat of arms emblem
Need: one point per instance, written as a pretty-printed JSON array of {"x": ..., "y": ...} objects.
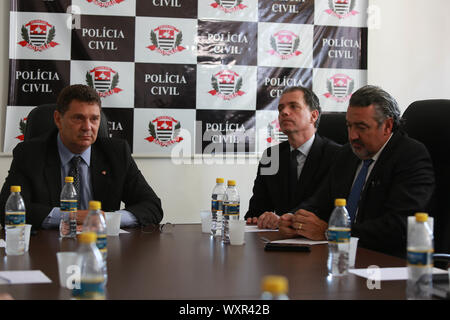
[{"x": 38, "y": 35}]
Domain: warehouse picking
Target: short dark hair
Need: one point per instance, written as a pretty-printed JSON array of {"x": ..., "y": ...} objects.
[
  {"x": 385, "y": 104},
  {"x": 78, "y": 92},
  {"x": 310, "y": 98}
]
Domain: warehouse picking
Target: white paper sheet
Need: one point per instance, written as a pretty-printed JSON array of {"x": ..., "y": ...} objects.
[
  {"x": 301, "y": 241},
  {"x": 253, "y": 228},
  {"x": 386, "y": 274},
  {"x": 21, "y": 277}
]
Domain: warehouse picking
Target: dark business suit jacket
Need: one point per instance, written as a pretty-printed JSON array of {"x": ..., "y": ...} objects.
[
  {"x": 115, "y": 177},
  {"x": 271, "y": 191},
  {"x": 400, "y": 184}
]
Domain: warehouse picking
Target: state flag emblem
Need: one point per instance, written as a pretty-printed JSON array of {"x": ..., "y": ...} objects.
[
  {"x": 164, "y": 131},
  {"x": 105, "y": 3},
  {"x": 284, "y": 44},
  {"x": 341, "y": 8},
  {"x": 226, "y": 84},
  {"x": 228, "y": 6},
  {"x": 38, "y": 35},
  {"x": 166, "y": 40},
  {"x": 275, "y": 135},
  {"x": 340, "y": 87},
  {"x": 104, "y": 80}
]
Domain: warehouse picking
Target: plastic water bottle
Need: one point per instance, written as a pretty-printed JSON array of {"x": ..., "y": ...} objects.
[
  {"x": 339, "y": 228},
  {"x": 68, "y": 207},
  {"x": 274, "y": 288},
  {"x": 420, "y": 259},
  {"x": 15, "y": 223},
  {"x": 217, "y": 207},
  {"x": 231, "y": 204},
  {"x": 95, "y": 222},
  {"x": 90, "y": 261}
]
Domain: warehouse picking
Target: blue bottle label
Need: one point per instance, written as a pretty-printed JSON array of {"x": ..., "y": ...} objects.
[
  {"x": 231, "y": 209},
  {"x": 15, "y": 218},
  {"x": 216, "y": 205},
  {"x": 420, "y": 258},
  {"x": 101, "y": 243},
  {"x": 341, "y": 235},
  {"x": 93, "y": 289},
  {"x": 68, "y": 205}
]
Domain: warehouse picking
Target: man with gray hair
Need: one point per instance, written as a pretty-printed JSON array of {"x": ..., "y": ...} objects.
[
  {"x": 384, "y": 175},
  {"x": 291, "y": 171}
]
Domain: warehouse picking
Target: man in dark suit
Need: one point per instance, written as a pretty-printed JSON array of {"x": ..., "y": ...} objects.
[
  {"x": 105, "y": 168},
  {"x": 291, "y": 171},
  {"x": 395, "y": 173}
]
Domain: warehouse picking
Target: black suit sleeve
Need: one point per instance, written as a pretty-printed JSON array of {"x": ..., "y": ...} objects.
[
  {"x": 260, "y": 200},
  {"x": 410, "y": 191},
  {"x": 138, "y": 196},
  {"x": 36, "y": 211}
]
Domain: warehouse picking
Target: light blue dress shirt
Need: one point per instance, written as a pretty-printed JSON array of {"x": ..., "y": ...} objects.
[{"x": 53, "y": 219}]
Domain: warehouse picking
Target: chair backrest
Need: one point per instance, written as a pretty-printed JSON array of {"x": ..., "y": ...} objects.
[
  {"x": 428, "y": 121},
  {"x": 332, "y": 125},
  {"x": 40, "y": 121}
]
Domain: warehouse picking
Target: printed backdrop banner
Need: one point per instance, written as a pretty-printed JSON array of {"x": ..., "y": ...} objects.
[{"x": 201, "y": 76}]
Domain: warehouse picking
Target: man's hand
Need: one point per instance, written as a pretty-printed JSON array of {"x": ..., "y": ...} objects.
[
  {"x": 286, "y": 228},
  {"x": 268, "y": 220},
  {"x": 253, "y": 220},
  {"x": 308, "y": 225},
  {"x": 82, "y": 214}
]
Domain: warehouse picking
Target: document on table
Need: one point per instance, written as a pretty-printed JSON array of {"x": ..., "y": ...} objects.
[
  {"x": 300, "y": 241},
  {"x": 22, "y": 277},
  {"x": 386, "y": 274},
  {"x": 253, "y": 228}
]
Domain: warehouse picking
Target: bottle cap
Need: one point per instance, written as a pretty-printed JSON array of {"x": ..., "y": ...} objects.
[
  {"x": 87, "y": 237},
  {"x": 231, "y": 182},
  {"x": 274, "y": 284},
  {"x": 68, "y": 179},
  {"x": 95, "y": 205},
  {"x": 340, "y": 202},
  {"x": 220, "y": 180},
  {"x": 421, "y": 216},
  {"x": 15, "y": 188}
]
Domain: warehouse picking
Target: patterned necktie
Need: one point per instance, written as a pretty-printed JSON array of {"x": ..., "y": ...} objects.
[
  {"x": 75, "y": 173},
  {"x": 355, "y": 194},
  {"x": 293, "y": 176}
]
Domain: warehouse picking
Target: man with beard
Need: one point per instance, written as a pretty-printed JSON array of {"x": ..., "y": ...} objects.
[{"x": 384, "y": 175}]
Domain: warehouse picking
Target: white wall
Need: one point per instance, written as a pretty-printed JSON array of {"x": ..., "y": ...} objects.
[{"x": 408, "y": 56}]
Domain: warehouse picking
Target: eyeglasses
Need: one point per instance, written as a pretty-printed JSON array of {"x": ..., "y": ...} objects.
[{"x": 163, "y": 228}]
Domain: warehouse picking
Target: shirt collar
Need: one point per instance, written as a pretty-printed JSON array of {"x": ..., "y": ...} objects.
[
  {"x": 65, "y": 155},
  {"x": 377, "y": 155},
  {"x": 304, "y": 148}
]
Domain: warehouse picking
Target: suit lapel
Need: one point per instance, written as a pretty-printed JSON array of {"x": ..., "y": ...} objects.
[
  {"x": 52, "y": 172},
  {"x": 100, "y": 173},
  {"x": 374, "y": 177},
  {"x": 310, "y": 167},
  {"x": 281, "y": 185}
]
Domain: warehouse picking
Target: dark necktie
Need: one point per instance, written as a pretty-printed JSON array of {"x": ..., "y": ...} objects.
[
  {"x": 293, "y": 179},
  {"x": 355, "y": 193},
  {"x": 74, "y": 172}
]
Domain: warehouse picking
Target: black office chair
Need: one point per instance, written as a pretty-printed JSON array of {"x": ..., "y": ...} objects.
[
  {"x": 428, "y": 122},
  {"x": 332, "y": 125},
  {"x": 40, "y": 121}
]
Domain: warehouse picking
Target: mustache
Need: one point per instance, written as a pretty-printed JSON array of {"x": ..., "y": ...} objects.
[{"x": 357, "y": 141}]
